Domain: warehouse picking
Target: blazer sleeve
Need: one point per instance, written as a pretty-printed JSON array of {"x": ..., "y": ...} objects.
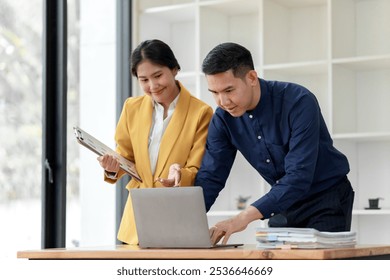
[
  {"x": 194, "y": 160},
  {"x": 122, "y": 137}
]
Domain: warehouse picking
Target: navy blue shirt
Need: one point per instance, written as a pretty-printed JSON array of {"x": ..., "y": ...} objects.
[{"x": 284, "y": 138}]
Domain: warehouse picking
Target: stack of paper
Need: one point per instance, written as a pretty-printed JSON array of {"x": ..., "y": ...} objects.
[{"x": 305, "y": 238}]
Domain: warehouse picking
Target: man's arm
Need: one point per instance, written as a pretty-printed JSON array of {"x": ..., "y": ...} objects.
[
  {"x": 217, "y": 161},
  {"x": 238, "y": 223}
]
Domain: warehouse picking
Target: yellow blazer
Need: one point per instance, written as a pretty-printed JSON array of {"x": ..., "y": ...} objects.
[{"x": 183, "y": 142}]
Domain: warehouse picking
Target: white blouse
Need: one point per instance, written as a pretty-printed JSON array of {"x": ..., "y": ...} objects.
[{"x": 159, "y": 125}]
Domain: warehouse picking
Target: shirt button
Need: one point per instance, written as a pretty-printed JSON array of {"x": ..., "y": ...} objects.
[
  {"x": 267, "y": 160},
  {"x": 277, "y": 181},
  {"x": 259, "y": 137},
  {"x": 272, "y": 214},
  {"x": 250, "y": 116}
]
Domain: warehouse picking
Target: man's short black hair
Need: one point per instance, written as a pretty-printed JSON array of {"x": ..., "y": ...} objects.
[{"x": 228, "y": 56}]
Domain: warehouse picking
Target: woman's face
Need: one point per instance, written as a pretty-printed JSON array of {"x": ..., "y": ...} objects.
[{"x": 157, "y": 81}]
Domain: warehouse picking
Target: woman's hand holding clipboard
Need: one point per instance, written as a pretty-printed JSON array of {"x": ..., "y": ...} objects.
[{"x": 101, "y": 149}]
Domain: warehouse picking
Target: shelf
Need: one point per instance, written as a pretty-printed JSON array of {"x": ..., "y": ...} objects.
[
  {"x": 175, "y": 25},
  {"x": 234, "y": 21},
  {"x": 298, "y": 68},
  {"x": 188, "y": 74},
  {"x": 156, "y": 6},
  {"x": 232, "y": 7},
  {"x": 371, "y": 212},
  {"x": 176, "y": 13},
  {"x": 364, "y": 63},
  {"x": 361, "y": 96},
  {"x": 300, "y": 3},
  {"x": 295, "y": 31},
  {"x": 360, "y": 28},
  {"x": 338, "y": 49},
  {"x": 362, "y": 137},
  {"x": 223, "y": 213}
]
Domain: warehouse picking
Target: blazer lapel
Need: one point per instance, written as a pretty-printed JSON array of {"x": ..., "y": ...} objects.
[
  {"x": 144, "y": 123},
  {"x": 173, "y": 130}
]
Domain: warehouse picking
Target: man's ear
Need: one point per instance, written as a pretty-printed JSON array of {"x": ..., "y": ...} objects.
[{"x": 252, "y": 77}]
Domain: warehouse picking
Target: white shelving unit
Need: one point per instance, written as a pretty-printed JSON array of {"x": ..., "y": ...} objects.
[{"x": 339, "y": 49}]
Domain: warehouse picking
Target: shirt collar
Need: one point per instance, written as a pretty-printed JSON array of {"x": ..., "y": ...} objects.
[
  {"x": 171, "y": 106},
  {"x": 263, "y": 97}
]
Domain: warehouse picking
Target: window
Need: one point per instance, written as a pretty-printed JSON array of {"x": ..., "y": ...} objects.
[
  {"x": 20, "y": 124},
  {"x": 91, "y": 97}
]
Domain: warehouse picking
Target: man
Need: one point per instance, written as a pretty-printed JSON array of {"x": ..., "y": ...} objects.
[{"x": 279, "y": 129}]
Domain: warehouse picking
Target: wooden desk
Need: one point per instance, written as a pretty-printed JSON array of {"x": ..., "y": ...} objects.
[{"x": 126, "y": 252}]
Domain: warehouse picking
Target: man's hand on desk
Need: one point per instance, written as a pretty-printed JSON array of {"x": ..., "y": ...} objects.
[{"x": 238, "y": 223}]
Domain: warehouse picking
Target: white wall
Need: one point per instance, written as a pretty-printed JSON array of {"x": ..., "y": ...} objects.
[{"x": 97, "y": 116}]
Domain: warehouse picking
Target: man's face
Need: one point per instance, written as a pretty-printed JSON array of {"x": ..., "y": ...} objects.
[{"x": 233, "y": 94}]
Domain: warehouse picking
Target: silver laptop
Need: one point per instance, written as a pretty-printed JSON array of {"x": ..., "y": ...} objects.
[{"x": 171, "y": 218}]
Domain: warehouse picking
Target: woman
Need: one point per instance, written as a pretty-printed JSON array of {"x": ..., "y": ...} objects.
[{"x": 163, "y": 132}]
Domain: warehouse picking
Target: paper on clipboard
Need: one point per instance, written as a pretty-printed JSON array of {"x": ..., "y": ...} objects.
[{"x": 101, "y": 149}]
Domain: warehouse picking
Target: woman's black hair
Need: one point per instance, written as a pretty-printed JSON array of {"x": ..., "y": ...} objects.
[
  {"x": 228, "y": 56},
  {"x": 157, "y": 52}
]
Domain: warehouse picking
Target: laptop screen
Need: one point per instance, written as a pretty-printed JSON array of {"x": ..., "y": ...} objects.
[{"x": 171, "y": 217}]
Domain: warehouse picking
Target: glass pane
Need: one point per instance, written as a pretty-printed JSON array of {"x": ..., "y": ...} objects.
[
  {"x": 20, "y": 125},
  {"x": 73, "y": 205}
]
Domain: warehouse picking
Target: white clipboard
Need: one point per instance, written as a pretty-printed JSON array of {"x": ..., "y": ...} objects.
[{"x": 101, "y": 149}]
